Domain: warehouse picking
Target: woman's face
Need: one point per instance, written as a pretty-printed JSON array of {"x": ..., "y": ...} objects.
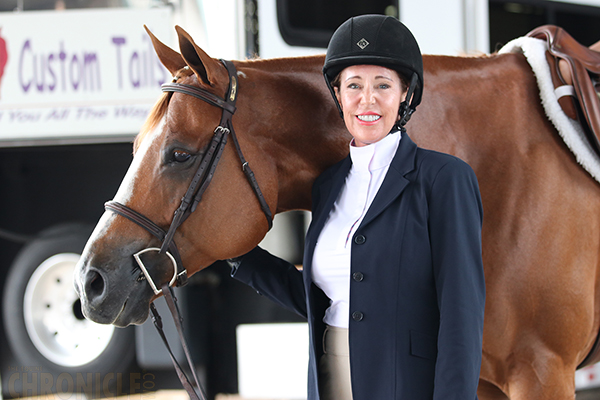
[{"x": 370, "y": 97}]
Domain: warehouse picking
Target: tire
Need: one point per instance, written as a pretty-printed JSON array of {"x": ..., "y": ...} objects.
[{"x": 56, "y": 348}]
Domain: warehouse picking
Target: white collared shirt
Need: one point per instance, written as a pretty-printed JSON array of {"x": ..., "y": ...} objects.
[{"x": 331, "y": 259}]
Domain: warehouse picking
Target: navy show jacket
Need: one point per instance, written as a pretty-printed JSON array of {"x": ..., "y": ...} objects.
[{"x": 417, "y": 288}]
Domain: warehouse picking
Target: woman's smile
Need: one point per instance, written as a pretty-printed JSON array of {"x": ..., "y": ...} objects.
[
  {"x": 370, "y": 98},
  {"x": 369, "y": 118}
]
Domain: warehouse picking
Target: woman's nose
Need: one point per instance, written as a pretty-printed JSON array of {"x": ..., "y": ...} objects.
[{"x": 368, "y": 96}]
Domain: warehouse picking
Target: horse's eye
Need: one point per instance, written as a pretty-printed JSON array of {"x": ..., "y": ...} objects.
[{"x": 181, "y": 156}]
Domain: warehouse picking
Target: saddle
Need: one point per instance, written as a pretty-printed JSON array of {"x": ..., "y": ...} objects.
[{"x": 575, "y": 71}]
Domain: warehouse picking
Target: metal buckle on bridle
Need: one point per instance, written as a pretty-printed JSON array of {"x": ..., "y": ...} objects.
[
  {"x": 147, "y": 274},
  {"x": 222, "y": 129}
]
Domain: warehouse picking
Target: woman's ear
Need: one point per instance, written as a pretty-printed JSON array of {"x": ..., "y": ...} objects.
[{"x": 337, "y": 96}]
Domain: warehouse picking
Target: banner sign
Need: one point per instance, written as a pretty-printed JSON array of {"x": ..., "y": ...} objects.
[{"x": 79, "y": 73}]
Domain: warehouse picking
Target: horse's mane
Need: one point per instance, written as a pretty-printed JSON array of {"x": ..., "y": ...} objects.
[
  {"x": 158, "y": 111},
  {"x": 156, "y": 115}
]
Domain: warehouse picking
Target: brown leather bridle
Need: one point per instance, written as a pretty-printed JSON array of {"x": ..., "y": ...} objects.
[
  {"x": 190, "y": 201},
  {"x": 203, "y": 175}
]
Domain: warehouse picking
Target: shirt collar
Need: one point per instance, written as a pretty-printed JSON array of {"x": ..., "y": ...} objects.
[{"x": 376, "y": 155}]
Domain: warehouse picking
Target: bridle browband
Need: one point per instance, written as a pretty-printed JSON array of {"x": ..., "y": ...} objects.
[{"x": 190, "y": 201}]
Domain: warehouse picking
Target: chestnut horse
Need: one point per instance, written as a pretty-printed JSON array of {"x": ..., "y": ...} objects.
[{"x": 541, "y": 230}]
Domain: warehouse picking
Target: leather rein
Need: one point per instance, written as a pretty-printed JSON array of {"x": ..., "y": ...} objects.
[{"x": 189, "y": 203}]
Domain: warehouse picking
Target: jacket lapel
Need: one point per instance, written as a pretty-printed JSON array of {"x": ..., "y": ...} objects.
[{"x": 395, "y": 180}]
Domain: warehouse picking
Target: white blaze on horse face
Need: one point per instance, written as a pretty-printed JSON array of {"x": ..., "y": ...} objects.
[
  {"x": 125, "y": 191},
  {"x": 123, "y": 195}
]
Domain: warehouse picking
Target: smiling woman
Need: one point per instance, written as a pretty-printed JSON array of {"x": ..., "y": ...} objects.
[{"x": 392, "y": 281}]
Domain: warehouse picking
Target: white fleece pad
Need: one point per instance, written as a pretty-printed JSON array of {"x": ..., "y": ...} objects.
[{"x": 570, "y": 130}]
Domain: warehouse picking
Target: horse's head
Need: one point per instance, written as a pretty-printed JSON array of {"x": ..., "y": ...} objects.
[{"x": 228, "y": 220}]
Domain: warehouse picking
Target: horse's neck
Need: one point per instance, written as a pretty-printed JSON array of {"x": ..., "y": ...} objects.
[
  {"x": 302, "y": 164},
  {"x": 310, "y": 136},
  {"x": 311, "y": 142},
  {"x": 307, "y": 135}
]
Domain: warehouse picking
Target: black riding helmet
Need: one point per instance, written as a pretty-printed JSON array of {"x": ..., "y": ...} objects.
[{"x": 377, "y": 40}]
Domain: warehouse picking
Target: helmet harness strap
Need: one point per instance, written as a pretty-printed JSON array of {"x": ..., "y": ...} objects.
[
  {"x": 407, "y": 110},
  {"x": 337, "y": 103}
]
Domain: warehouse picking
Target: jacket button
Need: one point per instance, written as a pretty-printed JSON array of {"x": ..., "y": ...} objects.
[
  {"x": 358, "y": 276},
  {"x": 360, "y": 239},
  {"x": 357, "y": 316}
]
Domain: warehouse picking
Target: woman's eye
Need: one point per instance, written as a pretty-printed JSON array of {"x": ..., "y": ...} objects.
[
  {"x": 181, "y": 156},
  {"x": 353, "y": 86}
]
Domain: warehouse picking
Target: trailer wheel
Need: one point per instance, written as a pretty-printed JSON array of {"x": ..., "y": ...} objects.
[{"x": 45, "y": 327}]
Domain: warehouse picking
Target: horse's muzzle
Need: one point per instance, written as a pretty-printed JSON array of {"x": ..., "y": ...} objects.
[{"x": 105, "y": 299}]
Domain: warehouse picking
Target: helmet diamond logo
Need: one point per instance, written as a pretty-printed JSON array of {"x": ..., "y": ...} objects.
[{"x": 362, "y": 43}]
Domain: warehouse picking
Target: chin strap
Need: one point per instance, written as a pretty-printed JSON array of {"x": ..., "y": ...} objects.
[{"x": 406, "y": 110}]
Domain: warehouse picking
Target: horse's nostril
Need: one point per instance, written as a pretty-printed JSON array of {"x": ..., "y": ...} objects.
[{"x": 95, "y": 284}]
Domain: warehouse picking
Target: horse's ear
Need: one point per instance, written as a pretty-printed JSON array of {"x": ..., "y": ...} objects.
[
  {"x": 205, "y": 67},
  {"x": 171, "y": 59}
]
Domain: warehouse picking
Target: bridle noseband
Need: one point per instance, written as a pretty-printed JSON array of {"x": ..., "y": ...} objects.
[
  {"x": 188, "y": 205},
  {"x": 201, "y": 179}
]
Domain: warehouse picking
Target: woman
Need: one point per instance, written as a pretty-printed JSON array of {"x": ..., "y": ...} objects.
[{"x": 393, "y": 285}]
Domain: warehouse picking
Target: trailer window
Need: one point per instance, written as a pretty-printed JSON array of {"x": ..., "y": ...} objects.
[
  {"x": 311, "y": 23},
  {"x": 510, "y": 19}
]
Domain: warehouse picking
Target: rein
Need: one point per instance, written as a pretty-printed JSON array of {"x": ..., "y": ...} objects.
[{"x": 189, "y": 203}]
